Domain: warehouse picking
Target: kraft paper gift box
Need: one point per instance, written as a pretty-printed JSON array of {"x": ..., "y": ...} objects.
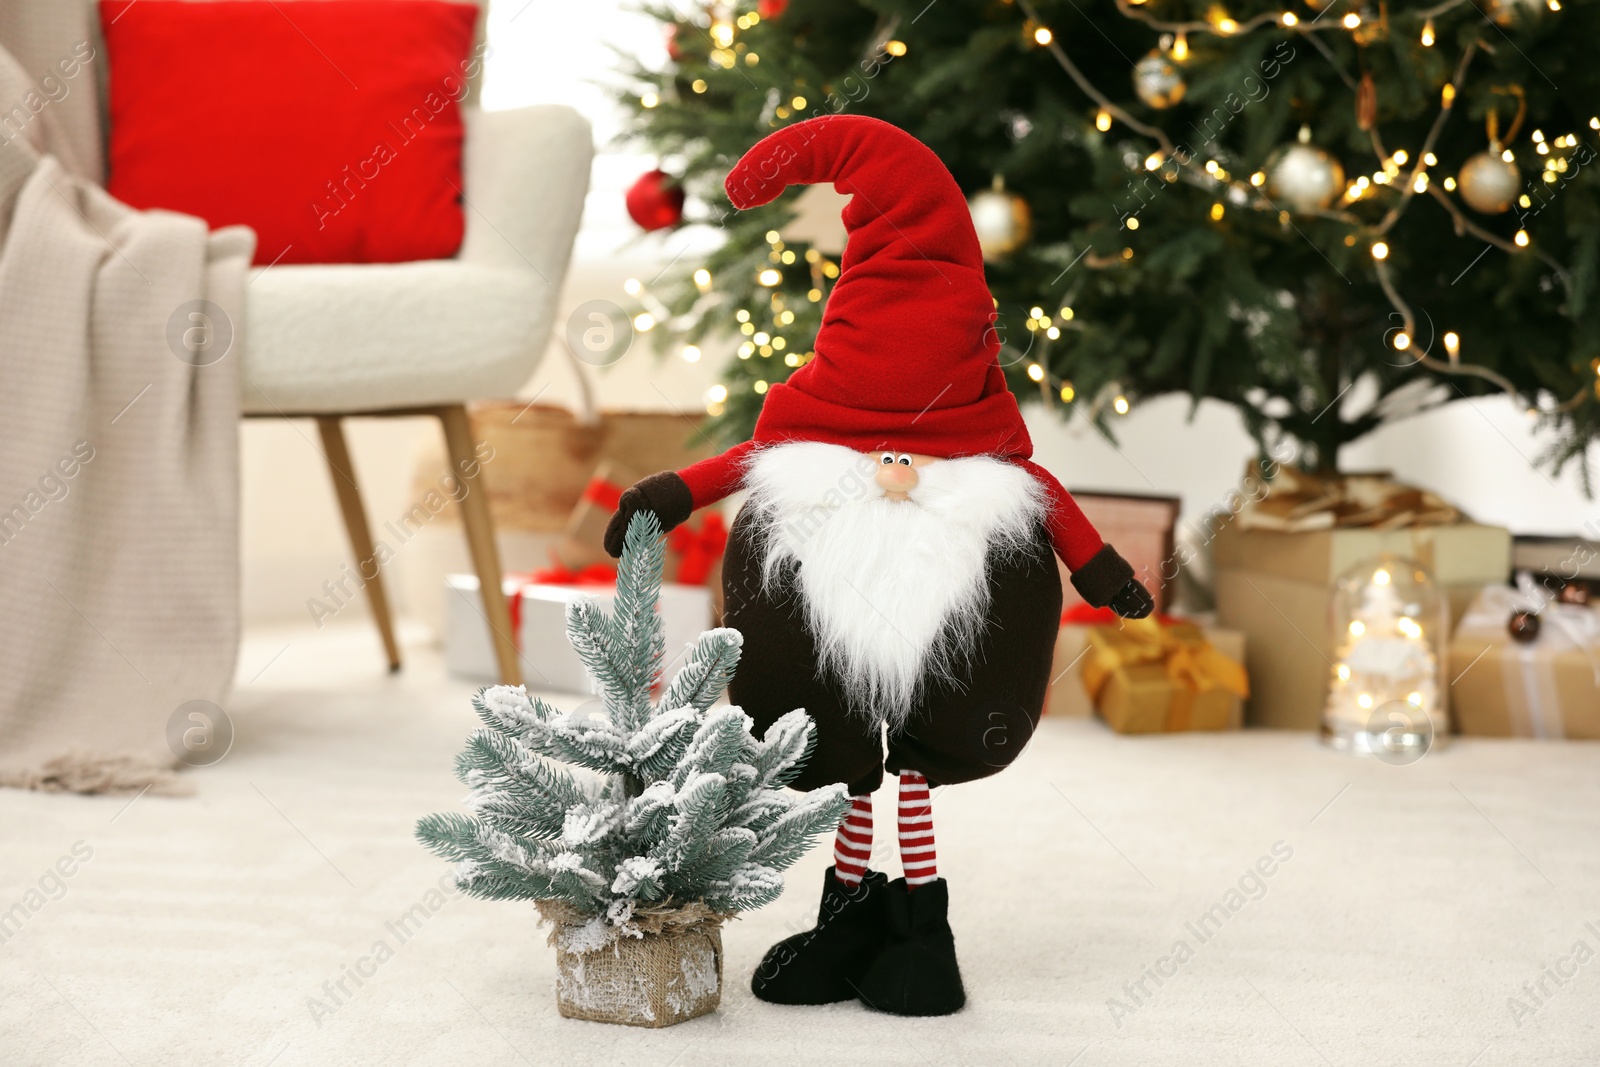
[
  {"x": 1068, "y": 697},
  {"x": 582, "y": 541},
  {"x": 1547, "y": 688},
  {"x": 1277, "y": 588},
  {"x": 1146, "y": 676},
  {"x": 539, "y": 617},
  {"x": 1143, "y": 529},
  {"x": 694, "y": 549}
]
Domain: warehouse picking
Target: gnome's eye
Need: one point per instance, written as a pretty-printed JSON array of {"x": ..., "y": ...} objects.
[
  {"x": 887, "y": 458},
  {"x": 905, "y": 459}
]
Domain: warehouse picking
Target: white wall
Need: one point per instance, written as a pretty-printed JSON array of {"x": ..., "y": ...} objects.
[{"x": 1477, "y": 455}]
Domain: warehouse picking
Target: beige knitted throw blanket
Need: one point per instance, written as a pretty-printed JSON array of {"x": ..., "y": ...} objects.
[{"x": 118, "y": 452}]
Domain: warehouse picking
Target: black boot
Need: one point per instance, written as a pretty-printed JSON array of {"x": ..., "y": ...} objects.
[
  {"x": 825, "y": 964},
  {"x": 916, "y": 973}
]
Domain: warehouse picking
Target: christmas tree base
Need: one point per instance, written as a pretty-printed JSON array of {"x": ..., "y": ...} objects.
[{"x": 669, "y": 973}]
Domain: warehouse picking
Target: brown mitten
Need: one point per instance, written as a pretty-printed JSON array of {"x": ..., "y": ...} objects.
[
  {"x": 1107, "y": 581},
  {"x": 665, "y": 493}
]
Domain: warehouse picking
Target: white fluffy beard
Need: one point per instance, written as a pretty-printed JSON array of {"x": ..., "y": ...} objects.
[{"x": 895, "y": 592}]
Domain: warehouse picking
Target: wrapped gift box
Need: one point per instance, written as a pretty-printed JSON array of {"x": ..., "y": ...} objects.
[
  {"x": 1142, "y": 530},
  {"x": 1548, "y": 688},
  {"x": 1145, "y": 676},
  {"x": 1276, "y": 587},
  {"x": 582, "y": 542},
  {"x": 694, "y": 549},
  {"x": 540, "y": 616},
  {"x": 1068, "y": 696}
]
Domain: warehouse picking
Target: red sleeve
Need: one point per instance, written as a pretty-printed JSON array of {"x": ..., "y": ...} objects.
[
  {"x": 712, "y": 479},
  {"x": 1073, "y": 536}
]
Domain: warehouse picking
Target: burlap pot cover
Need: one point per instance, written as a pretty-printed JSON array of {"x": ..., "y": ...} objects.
[{"x": 655, "y": 980}]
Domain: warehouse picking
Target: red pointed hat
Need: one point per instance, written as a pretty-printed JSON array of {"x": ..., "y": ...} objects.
[{"x": 906, "y": 356}]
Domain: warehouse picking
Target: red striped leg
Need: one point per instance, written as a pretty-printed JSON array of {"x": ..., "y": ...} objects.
[
  {"x": 852, "y": 845},
  {"x": 917, "y": 853}
]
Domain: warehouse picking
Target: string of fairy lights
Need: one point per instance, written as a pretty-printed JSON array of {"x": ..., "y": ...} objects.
[
  {"x": 1400, "y": 176},
  {"x": 756, "y": 342}
]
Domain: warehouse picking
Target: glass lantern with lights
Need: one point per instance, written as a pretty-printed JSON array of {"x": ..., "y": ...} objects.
[{"x": 1387, "y": 696}]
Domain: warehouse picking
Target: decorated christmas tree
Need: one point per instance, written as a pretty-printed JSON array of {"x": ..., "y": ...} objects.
[
  {"x": 681, "y": 820},
  {"x": 1325, "y": 214}
]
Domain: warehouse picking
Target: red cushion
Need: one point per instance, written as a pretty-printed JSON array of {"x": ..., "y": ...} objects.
[{"x": 330, "y": 126}]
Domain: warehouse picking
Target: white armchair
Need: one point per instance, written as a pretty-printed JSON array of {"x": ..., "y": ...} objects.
[{"x": 329, "y": 342}]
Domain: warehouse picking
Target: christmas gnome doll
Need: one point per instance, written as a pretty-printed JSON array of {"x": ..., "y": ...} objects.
[{"x": 892, "y": 569}]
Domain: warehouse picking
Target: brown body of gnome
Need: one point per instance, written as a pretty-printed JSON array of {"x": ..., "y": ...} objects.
[{"x": 892, "y": 569}]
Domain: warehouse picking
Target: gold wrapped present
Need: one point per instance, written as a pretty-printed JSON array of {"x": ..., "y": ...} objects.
[{"x": 1148, "y": 677}]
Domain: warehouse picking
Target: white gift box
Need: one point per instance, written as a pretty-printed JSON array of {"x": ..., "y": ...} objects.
[{"x": 549, "y": 662}]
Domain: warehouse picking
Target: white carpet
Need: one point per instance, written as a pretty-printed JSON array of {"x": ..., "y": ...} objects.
[{"x": 1417, "y": 901}]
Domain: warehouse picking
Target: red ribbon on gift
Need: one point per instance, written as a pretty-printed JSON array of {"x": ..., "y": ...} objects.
[
  {"x": 1082, "y": 614},
  {"x": 603, "y": 493},
  {"x": 594, "y": 574},
  {"x": 556, "y": 574},
  {"x": 699, "y": 550}
]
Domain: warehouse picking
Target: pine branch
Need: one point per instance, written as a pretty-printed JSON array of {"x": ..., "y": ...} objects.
[
  {"x": 785, "y": 749},
  {"x": 590, "y": 634},
  {"x": 699, "y": 811},
  {"x": 711, "y": 666},
  {"x": 449, "y": 836},
  {"x": 716, "y": 744},
  {"x": 760, "y": 810},
  {"x": 649, "y": 815},
  {"x": 510, "y": 711},
  {"x": 639, "y": 877},
  {"x": 588, "y": 826},
  {"x": 589, "y": 742},
  {"x": 751, "y": 886},
  {"x": 503, "y": 775},
  {"x": 787, "y": 839},
  {"x": 660, "y": 745},
  {"x": 635, "y": 625},
  {"x": 726, "y": 852}
]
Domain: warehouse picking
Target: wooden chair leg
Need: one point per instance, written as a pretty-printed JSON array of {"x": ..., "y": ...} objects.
[
  {"x": 480, "y": 539},
  {"x": 355, "y": 524}
]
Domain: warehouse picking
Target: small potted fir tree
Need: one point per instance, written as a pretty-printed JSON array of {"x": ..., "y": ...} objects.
[{"x": 681, "y": 821}]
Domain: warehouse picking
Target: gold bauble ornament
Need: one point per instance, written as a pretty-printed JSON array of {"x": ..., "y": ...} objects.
[
  {"x": 1304, "y": 177},
  {"x": 1158, "y": 81},
  {"x": 1002, "y": 219},
  {"x": 1488, "y": 183}
]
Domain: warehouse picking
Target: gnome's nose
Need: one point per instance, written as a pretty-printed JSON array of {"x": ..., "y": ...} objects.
[{"x": 896, "y": 478}]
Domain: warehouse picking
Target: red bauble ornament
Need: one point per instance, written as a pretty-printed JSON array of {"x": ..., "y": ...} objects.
[
  {"x": 771, "y": 9},
  {"x": 674, "y": 53},
  {"x": 655, "y": 201},
  {"x": 1524, "y": 627}
]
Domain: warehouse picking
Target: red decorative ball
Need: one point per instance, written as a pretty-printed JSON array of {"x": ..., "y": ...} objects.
[
  {"x": 1524, "y": 627},
  {"x": 655, "y": 201},
  {"x": 771, "y": 9},
  {"x": 674, "y": 53}
]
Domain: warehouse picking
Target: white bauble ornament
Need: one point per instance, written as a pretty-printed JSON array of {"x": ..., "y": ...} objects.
[
  {"x": 1488, "y": 183},
  {"x": 1002, "y": 220},
  {"x": 1157, "y": 81},
  {"x": 1304, "y": 177}
]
